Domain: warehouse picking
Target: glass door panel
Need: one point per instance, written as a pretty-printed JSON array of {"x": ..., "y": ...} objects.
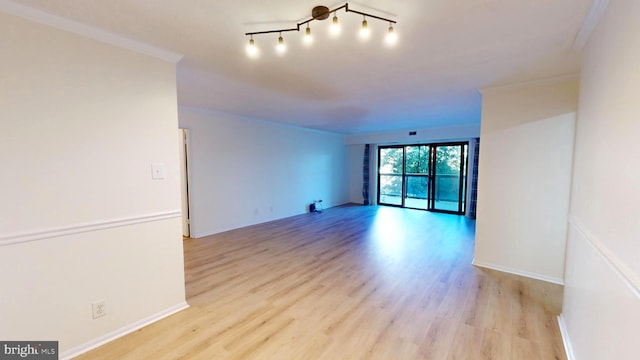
[
  {"x": 449, "y": 178},
  {"x": 416, "y": 176},
  {"x": 390, "y": 180}
]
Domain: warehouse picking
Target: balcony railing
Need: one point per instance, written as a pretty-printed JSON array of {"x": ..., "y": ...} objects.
[{"x": 417, "y": 185}]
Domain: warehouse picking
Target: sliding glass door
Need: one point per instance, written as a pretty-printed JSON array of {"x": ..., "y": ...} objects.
[{"x": 424, "y": 176}]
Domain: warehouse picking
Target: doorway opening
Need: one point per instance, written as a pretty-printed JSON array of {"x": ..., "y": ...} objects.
[
  {"x": 184, "y": 181},
  {"x": 424, "y": 176}
]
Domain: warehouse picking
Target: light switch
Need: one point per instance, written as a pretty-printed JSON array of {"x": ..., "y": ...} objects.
[{"x": 157, "y": 171}]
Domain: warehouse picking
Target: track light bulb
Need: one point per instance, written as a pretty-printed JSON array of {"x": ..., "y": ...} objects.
[
  {"x": 307, "y": 37},
  {"x": 364, "y": 31},
  {"x": 252, "y": 49},
  {"x": 392, "y": 37},
  {"x": 335, "y": 26},
  {"x": 281, "y": 47}
]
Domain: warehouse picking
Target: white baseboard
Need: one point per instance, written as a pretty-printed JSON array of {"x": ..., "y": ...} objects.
[
  {"x": 568, "y": 349},
  {"x": 81, "y": 349},
  {"x": 518, "y": 272}
]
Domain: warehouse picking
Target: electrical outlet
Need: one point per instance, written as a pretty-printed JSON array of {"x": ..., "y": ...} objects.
[{"x": 99, "y": 309}]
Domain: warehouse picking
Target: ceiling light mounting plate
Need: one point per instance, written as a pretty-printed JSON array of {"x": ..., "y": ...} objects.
[{"x": 320, "y": 12}]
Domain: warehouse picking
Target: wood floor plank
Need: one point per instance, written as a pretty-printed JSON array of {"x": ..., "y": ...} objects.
[
  {"x": 495, "y": 345},
  {"x": 523, "y": 349},
  {"x": 477, "y": 305},
  {"x": 499, "y": 317},
  {"x": 523, "y": 311},
  {"x": 354, "y": 282},
  {"x": 438, "y": 343},
  {"x": 467, "y": 343}
]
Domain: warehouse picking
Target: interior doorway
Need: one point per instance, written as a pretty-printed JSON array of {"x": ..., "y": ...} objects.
[
  {"x": 424, "y": 176},
  {"x": 184, "y": 181}
]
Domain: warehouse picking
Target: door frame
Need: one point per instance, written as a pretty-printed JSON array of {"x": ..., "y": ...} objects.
[
  {"x": 401, "y": 176},
  {"x": 462, "y": 183},
  {"x": 183, "y": 135},
  {"x": 431, "y": 191}
]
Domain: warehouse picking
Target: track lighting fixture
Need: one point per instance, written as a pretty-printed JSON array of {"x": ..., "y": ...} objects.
[{"x": 322, "y": 13}]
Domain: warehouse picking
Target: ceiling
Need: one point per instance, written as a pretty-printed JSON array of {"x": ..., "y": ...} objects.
[{"x": 447, "y": 50}]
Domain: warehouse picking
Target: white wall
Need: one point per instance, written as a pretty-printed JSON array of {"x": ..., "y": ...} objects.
[
  {"x": 601, "y": 311},
  {"x": 81, "y": 219},
  {"x": 524, "y": 178},
  {"x": 245, "y": 172}
]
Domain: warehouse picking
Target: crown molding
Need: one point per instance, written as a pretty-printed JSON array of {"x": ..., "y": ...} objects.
[
  {"x": 590, "y": 22},
  {"x": 228, "y": 115},
  {"x": 87, "y": 31}
]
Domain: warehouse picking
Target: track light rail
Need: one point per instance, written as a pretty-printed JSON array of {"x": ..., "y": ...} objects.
[{"x": 320, "y": 17}]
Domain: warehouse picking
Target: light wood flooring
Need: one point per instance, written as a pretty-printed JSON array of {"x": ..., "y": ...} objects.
[{"x": 353, "y": 282}]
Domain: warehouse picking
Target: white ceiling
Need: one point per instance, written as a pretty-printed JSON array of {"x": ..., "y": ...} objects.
[{"x": 447, "y": 50}]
